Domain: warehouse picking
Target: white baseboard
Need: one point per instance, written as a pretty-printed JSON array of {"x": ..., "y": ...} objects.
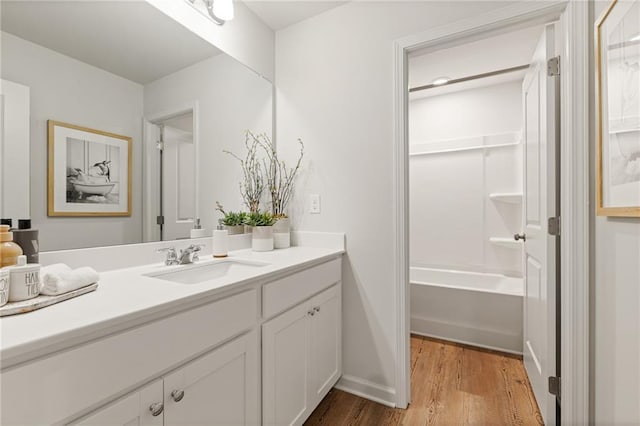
[
  {"x": 384, "y": 395},
  {"x": 481, "y": 337}
]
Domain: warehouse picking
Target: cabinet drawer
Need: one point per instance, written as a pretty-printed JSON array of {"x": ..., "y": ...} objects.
[
  {"x": 289, "y": 291},
  {"x": 54, "y": 388}
]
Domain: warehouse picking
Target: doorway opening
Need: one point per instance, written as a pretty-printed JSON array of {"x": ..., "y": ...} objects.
[
  {"x": 574, "y": 34},
  {"x": 483, "y": 132},
  {"x": 171, "y": 170}
]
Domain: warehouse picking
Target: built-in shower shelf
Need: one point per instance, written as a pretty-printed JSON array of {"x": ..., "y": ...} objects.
[
  {"x": 483, "y": 142},
  {"x": 507, "y": 197},
  {"x": 505, "y": 242}
]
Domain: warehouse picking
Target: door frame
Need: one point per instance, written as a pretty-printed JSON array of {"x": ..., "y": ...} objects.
[
  {"x": 150, "y": 166},
  {"x": 574, "y": 186}
]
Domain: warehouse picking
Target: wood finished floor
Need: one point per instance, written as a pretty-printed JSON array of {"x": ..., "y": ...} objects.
[{"x": 451, "y": 384}]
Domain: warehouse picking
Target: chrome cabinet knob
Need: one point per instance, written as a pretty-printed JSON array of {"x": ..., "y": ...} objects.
[
  {"x": 311, "y": 312},
  {"x": 156, "y": 408},
  {"x": 522, "y": 237},
  {"x": 317, "y": 309},
  {"x": 177, "y": 395}
]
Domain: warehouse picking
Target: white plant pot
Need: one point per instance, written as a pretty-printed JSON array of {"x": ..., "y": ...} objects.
[
  {"x": 282, "y": 233},
  {"x": 234, "y": 230},
  {"x": 262, "y": 238},
  {"x": 248, "y": 229}
]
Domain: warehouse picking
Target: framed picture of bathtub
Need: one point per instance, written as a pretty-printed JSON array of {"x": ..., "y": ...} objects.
[
  {"x": 89, "y": 172},
  {"x": 618, "y": 110}
]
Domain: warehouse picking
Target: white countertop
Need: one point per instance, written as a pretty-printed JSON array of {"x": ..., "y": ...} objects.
[{"x": 126, "y": 298}]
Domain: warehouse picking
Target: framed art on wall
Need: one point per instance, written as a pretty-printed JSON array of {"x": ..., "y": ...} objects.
[
  {"x": 618, "y": 110},
  {"x": 89, "y": 172}
]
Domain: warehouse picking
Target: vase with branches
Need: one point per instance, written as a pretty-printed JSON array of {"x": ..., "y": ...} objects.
[
  {"x": 253, "y": 181},
  {"x": 280, "y": 179}
]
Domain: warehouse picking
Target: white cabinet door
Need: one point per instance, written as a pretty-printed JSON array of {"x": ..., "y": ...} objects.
[
  {"x": 135, "y": 409},
  {"x": 219, "y": 388},
  {"x": 285, "y": 368},
  {"x": 326, "y": 342}
]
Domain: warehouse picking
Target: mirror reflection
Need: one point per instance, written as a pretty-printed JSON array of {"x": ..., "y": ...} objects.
[{"x": 126, "y": 69}]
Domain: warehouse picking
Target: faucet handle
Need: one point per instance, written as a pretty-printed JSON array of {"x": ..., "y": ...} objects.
[{"x": 172, "y": 255}]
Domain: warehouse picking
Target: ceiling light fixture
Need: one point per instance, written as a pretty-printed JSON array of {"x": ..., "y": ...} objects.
[
  {"x": 440, "y": 81},
  {"x": 220, "y": 11}
]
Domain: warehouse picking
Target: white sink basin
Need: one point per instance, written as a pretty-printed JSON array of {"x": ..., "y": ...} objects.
[{"x": 200, "y": 272}]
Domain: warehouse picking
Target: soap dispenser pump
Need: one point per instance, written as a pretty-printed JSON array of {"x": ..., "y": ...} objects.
[
  {"x": 220, "y": 242},
  {"x": 197, "y": 231}
]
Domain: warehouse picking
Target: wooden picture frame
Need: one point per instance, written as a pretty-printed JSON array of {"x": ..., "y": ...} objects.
[
  {"x": 89, "y": 171},
  {"x": 617, "y": 43}
]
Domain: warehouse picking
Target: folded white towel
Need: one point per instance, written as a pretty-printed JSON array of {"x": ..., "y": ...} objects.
[{"x": 59, "y": 278}]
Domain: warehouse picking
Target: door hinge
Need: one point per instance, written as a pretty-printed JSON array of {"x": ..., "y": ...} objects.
[
  {"x": 160, "y": 220},
  {"x": 553, "y": 227},
  {"x": 553, "y": 66},
  {"x": 160, "y": 146},
  {"x": 554, "y": 386}
]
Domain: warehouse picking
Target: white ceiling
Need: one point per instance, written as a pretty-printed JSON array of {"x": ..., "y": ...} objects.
[
  {"x": 114, "y": 36},
  {"x": 503, "y": 51},
  {"x": 281, "y": 14}
]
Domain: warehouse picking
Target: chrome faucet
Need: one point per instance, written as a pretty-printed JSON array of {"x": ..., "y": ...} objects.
[{"x": 190, "y": 254}]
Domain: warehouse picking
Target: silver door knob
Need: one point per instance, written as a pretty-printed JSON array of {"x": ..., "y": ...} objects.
[
  {"x": 177, "y": 395},
  {"x": 522, "y": 237},
  {"x": 156, "y": 408}
]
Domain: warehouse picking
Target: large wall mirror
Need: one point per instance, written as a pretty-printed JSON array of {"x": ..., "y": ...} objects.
[{"x": 121, "y": 68}]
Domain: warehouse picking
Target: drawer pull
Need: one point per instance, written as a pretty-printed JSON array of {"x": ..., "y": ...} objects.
[
  {"x": 156, "y": 408},
  {"x": 177, "y": 395}
]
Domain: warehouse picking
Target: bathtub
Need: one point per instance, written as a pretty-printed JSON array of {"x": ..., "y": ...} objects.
[{"x": 478, "y": 309}]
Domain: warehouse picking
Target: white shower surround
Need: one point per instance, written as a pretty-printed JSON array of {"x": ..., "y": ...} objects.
[{"x": 474, "y": 308}]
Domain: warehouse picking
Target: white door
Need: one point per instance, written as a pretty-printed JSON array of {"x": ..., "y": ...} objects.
[
  {"x": 285, "y": 368},
  {"x": 540, "y": 140},
  {"x": 143, "y": 407},
  {"x": 326, "y": 342},
  {"x": 178, "y": 183},
  {"x": 220, "y": 388},
  {"x": 14, "y": 146}
]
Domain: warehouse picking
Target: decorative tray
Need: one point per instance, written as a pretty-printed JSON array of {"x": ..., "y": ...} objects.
[{"x": 42, "y": 301}]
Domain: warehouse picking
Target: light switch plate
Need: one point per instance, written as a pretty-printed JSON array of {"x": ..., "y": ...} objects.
[{"x": 314, "y": 203}]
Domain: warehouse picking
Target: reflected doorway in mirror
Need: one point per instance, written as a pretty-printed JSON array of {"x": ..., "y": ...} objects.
[{"x": 89, "y": 172}]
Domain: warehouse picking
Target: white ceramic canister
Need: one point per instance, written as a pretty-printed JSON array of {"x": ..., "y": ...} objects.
[
  {"x": 282, "y": 233},
  {"x": 24, "y": 280},
  {"x": 4, "y": 286},
  {"x": 262, "y": 238}
]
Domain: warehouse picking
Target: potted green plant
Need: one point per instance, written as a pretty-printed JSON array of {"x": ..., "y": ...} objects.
[
  {"x": 233, "y": 222},
  {"x": 262, "y": 235},
  {"x": 280, "y": 184}
]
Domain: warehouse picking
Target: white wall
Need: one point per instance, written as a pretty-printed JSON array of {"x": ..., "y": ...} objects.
[
  {"x": 231, "y": 99},
  {"x": 67, "y": 90},
  {"x": 245, "y": 38},
  {"x": 334, "y": 90},
  {"x": 482, "y": 111},
  {"x": 615, "y": 369},
  {"x": 451, "y": 214}
]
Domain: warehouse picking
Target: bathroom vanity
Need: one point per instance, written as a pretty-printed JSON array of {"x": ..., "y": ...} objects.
[{"x": 256, "y": 345}]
